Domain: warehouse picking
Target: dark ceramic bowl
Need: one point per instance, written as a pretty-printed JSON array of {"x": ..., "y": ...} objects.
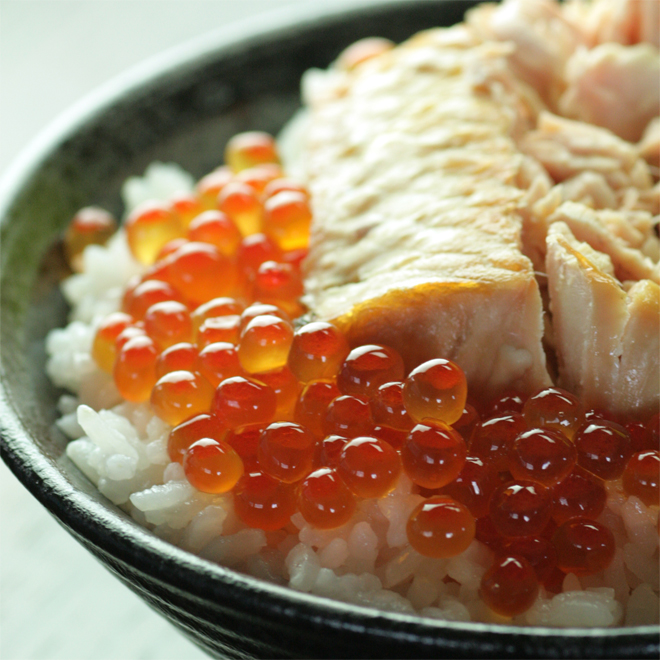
[{"x": 183, "y": 108}]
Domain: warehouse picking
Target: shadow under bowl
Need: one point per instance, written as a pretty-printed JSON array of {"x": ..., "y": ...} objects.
[{"x": 183, "y": 107}]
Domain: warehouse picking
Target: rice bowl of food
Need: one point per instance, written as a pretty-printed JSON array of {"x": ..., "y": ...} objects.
[{"x": 392, "y": 375}]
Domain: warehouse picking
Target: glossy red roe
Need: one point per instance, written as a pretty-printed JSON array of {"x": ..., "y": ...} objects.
[
  {"x": 249, "y": 149},
  {"x": 138, "y": 299},
  {"x": 287, "y": 216},
  {"x": 245, "y": 441},
  {"x": 474, "y": 486},
  {"x": 264, "y": 344},
  {"x": 347, "y": 416},
  {"x": 216, "y": 228},
  {"x": 241, "y": 203},
  {"x": 185, "y": 434},
  {"x": 218, "y": 361},
  {"x": 510, "y": 586},
  {"x": 216, "y": 329},
  {"x": 368, "y": 367},
  {"x": 168, "y": 323},
  {"x": 394, "y": 437},
  {"x": 212, "y": 466},
  {"x": 508, "y": 403},
  {"x": 286, "y": 389},
  {"x": 433, "y": 455},
  {"x": 148, "y": 228},
  {"x": 103, "y": 346},
  {"x": 603, "y": 448},
  {"x": 241, "y": 401},
  {"x": 493, "y": 438},
  {"x": 388, "y": 409},
  {"x": 520, "y": 508},
  {"x": 467, "y": 422},
  {"x": 328, "y": 452},
  {"x": 435, "y": 390},
  {"x": 317, "y": 351},
  {"x": 641, "y": 477},
  {"x": 89, "y": 226},
  {"x": 538, "y": 551},
  {"x": 223, "y": 306},
  {"x": 440, "y": 527},
  {"x": 579, "y": 495},
  {"x": 263, "y": 502},
  {"x": 180, "y": 395},
  {"x": 179, "y": 357},
  {"x": 554, "y": 408},
  {"x": 542, "y": 455},
  {"x": 584, "y": 546},
  {"x": 324, "y": 500},
  {"x": 134, "y": 371},
  {"x": 279, "y": 284},
  {"x": 312, "y": 405},
  {"x": 369, "y": 467},
  {"x": 286, "y": 451},
  {"x": 256, "y": 249}
]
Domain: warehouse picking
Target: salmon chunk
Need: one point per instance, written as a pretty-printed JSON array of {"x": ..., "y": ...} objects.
[
  {"x": 416, "y": 181},
  {"x": 607, "y": 339}
]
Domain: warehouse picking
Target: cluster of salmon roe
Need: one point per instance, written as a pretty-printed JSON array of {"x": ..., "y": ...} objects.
[{"x": 289, "y": 417}]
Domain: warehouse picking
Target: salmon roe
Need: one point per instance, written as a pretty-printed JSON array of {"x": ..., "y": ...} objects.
[
  {"x": 440, "y": 527},
  {"x": 291, "y": 418},
  {"x": 435, "y": 390},
  {"x": 89, "y": 226}
]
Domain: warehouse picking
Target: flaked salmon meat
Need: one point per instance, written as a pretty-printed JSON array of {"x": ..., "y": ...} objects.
[{"x": 438, "y": 171}]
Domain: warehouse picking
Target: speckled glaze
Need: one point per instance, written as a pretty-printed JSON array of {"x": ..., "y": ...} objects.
[{"x": 182, "y": 107}]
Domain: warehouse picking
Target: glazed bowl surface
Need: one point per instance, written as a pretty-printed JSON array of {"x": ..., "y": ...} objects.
[{"x": 183, "y": 107}]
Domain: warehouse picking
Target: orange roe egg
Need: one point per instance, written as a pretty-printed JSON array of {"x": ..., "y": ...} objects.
[
  {"x": 638, "y": 439},
  {"x": 474, "y": 486},
  {"x": 179, "y": 357},
  {"x": 157, "y": 270},
  {"x": 90, "y": 226},
  {"x": 286, "y": 451},
  {"x": 538, "y": 551},
  {"x": 241, "y": 203},
  {"x": 148, "y": 228},
  {"x": 186, "y": 207},
  {"x": 103, "y": 346},
  {"x": 467, "y": 422},
  {"x": 279, "y": 284},
  {"x": 440, "y": 527},
  {"x": 208, "y": 187},
  {"x": 368, "y": 367},
  {"x": 510, "y": 586},
  {"x": 130, "y": 331},
  {"x": 393, "y": 437},
  {"x": 168, "y": 323},
  {"x": 556, "y": 409},
  {"x": 388, "y": 409},
  {"x": 222, "y": 306},
  {"x": 145, "y": 294},
  {"x": 216, "y": 228},
  {"x": 179, "y": 395},
  {"x": 245, "y": 441},
  {"x": 261, "y": 309},
  {"x": 520, "y": 508},
  {"x": 255, "y": 250},
  {"x": 603, "y": 448},
  {"x": 324, "y": 500},
  {"x": 287, "y": 217},
  {"x": 328, "y": 452},
  {"x": 280, "y": 184},
  {"x": 433, "y": 455},
  {"x": 313, "y": 403},
  {"x": 369, "y": 467},
  {"x": 492, "y": 439},
  {"x": 263, "y": 502},
  {"x": 542, "y": 455},
  {"x": 641, "y": 477},
  {"x": 185, "y": 434},
  {"x": 259, "y": 176},
  {"x": 265, "y": 343},
  {"x": 488, "y": 534},
  {"x": 200, "y": 272},
  {"x": 286, "y": 389},
  {"x": 249, "y": 149},
  {"x": 212, "y": 466},
  {"x": 218, "y": 361},
  {"x": 436, "y": 390},
  {"x": 317, "y": 351},
  {"x": 217, "y": 329},
  {"x": 241, "y": 401},
  {"x": 508, "y": 403},
  {"x": 579, "y": 495},
  {"x": 134, "y": 371},
  {"x": 584, "y": 547},
  {"x": 348, "y": 416}
]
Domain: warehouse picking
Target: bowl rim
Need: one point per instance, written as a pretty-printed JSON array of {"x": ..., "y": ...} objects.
[{"x": 124, "y": 539}]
